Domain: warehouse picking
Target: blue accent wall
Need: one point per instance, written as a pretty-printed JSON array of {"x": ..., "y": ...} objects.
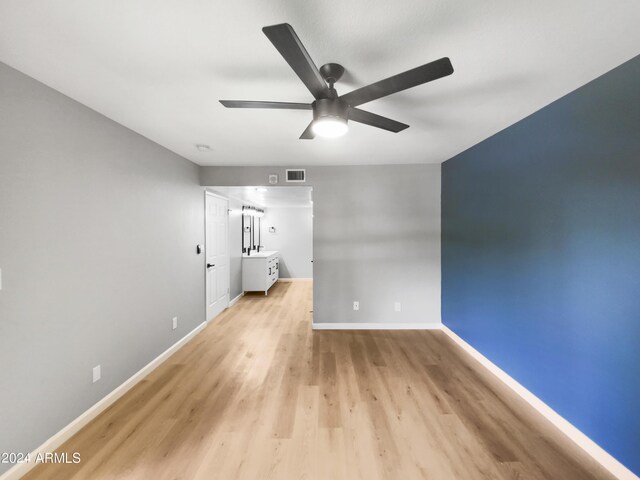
[{"x": 541, "y": 256}]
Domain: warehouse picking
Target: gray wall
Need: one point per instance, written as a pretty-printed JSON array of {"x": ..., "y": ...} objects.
[
  {"x": 293, "y": 238},
  {"x": 98, "y": 228},
  {"x": 376, "y": 238}
]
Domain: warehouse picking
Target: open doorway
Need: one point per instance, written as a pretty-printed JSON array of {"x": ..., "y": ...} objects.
[{"x": 270, "y": 237}]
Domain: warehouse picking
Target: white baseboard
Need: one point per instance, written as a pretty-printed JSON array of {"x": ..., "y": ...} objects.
[
  {"x": 21, "y": 469},
  {"x": 585, "y": 443},
  {"x": 301, "y": 279},
  {"x": 235, "y": 300},
  {"x": 377, "y": 326}
]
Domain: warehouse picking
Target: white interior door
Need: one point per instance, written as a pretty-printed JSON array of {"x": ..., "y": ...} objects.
[{"x": 217, "y": 253}]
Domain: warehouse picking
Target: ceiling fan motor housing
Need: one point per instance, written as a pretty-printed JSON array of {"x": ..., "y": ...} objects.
[{"x": 324, "y": 108}]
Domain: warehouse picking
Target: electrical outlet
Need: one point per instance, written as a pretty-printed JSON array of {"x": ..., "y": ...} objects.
[
  {"x": 356, "y": 305},
  {"x": 175, "y": 322},
  {"x": 97, "y": 373},
  {"x": 397, "y": 307}
]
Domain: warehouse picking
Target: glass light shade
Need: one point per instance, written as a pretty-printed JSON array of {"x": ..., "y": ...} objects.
[{"x": 330, "y": 127}]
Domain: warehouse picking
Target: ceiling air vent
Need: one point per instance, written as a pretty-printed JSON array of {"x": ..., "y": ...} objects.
[{"x": 297, "y": 175}]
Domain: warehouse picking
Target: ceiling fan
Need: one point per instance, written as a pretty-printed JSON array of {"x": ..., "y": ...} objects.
[{"x": 330, "y": 111}]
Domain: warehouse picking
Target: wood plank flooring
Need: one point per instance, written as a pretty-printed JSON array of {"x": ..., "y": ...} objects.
[{"x": 259, "y": 395}]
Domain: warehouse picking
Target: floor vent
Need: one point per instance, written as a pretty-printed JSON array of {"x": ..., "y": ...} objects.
[{"x": 297, "y": 175}]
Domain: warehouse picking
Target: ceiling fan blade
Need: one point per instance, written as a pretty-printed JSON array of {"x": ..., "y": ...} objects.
[
  {"x": 368, "y": 118},
  {"x": 308, "y": 133},
  {"x": 276, "y": 105},
  {"x": 397, "y": 83},
  {"x": 286, "y": 41}
]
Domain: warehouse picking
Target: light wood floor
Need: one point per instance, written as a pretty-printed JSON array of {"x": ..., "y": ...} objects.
[{"x": 259, "y": 395}]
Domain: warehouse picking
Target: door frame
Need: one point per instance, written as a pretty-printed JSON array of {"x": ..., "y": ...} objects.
[{"x": 217, "y": 195}]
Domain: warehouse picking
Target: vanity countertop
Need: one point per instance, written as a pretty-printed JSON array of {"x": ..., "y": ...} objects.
[{"x": 262, "y": 254}]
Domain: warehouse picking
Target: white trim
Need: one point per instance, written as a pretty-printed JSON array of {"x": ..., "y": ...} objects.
[
  {"x": 235, "y": 300},
  {"x": 21, "y": 469},
  {"x": 213, "y": 193},
  {"x": 299, "y": 279},
  {"x": 377, "y": 326},
  {"x": 585, "y": 443}
]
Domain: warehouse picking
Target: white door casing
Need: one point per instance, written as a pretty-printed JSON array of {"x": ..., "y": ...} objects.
[{"x": 217, "y": 254}]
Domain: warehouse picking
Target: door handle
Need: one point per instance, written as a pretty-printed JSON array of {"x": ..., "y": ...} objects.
[{"x": 209, "y": 265}]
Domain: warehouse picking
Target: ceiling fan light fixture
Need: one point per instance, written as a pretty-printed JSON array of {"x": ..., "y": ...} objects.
[
  {"x": 330, "y": 127},
  {"x": 330, "y": 117}
]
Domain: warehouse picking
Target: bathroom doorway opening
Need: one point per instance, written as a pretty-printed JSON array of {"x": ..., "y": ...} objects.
[{"x": 270, "y": 237}]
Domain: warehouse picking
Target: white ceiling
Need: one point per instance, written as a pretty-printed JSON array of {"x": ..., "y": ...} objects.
[
  {"x": 269, "y": 197},
  {"x": 159, "y": 68}
]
